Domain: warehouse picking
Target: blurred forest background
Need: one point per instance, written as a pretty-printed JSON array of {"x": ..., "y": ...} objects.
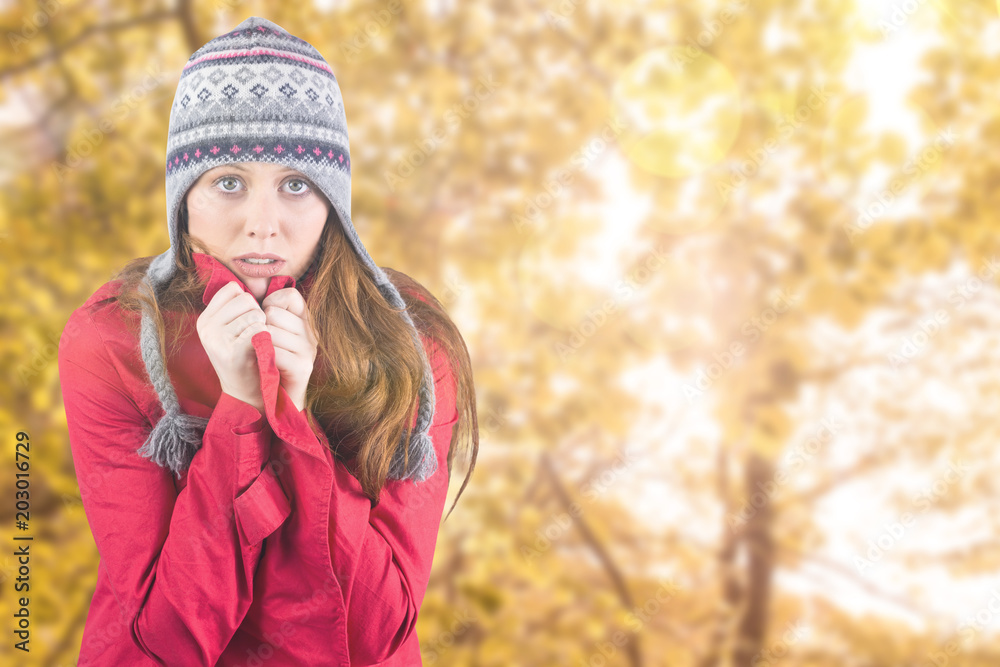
[{"x": 726, "y": 272}]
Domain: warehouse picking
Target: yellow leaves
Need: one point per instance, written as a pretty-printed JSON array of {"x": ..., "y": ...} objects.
[
  {"x": 778, "y": 102},
  {"x": 545, "y": 271},
  {"x": 40, "y": 396},
  {"x": 478, "y": 28},
  {"x": 444, "y": 95},
  {"x": 667, "y": 303},
  {"x": 769, "y": 431},
  {"x": 42, "y": 300},
  {"x": 880, "y": 151},
  {"x": 681, "y": 109},
  {"x": 843, "y": 304},
  {"x": 686, "y": 205},
  {"x": 358, "y": 33},
  {"x": 892, "y": 148}
]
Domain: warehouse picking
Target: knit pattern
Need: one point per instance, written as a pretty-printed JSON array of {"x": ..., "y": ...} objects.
[{"x": 258, "y": 93}]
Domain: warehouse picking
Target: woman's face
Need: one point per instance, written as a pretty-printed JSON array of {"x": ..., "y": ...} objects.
[{"x": 244, "y": 210}]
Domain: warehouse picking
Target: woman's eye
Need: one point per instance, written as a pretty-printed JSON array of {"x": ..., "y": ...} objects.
[
  {"x": 230, "y": 180},
  {"x": 231, "y": 184}
]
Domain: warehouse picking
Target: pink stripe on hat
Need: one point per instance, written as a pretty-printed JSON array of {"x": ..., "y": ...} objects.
[{"x": 253, "y": 52}]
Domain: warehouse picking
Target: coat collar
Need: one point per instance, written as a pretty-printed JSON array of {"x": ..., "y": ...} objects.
[{"x": 216, "y": 274}]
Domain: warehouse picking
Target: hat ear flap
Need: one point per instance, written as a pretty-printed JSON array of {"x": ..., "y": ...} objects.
[
  {"x": 176, "y": 436},
  {"x": 174, "y": 441},
  {"x": 421, "y": 458}
]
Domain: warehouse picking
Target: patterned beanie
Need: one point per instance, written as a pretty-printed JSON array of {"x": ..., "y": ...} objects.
[{"x": 258, "y": 93}]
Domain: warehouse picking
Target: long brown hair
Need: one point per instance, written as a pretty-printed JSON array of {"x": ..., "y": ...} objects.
[{"x": 364, "y": 392}]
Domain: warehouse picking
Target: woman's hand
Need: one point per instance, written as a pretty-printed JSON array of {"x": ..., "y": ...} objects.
[
  {"x": 225, "y": 328},
  {"x": 294, "y": 341}
]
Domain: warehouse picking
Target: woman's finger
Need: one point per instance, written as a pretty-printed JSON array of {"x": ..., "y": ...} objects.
[
  {"x": 289, "y": 340},
  {"x": 254, "y": 319},
  {"x": 285, "y": 319},
  {"x": 288, "y": 298}
]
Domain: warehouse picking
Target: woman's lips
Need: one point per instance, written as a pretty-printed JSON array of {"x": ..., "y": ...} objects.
[{"x": 259, "y": 270}]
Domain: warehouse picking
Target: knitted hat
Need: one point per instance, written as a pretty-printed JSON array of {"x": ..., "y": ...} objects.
[{"x": 258, "y": 93}]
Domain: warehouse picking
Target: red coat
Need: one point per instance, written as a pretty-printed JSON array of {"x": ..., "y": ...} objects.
[{"x": 238, "y": 562}]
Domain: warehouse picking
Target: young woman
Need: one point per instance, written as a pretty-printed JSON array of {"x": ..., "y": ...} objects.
[{"x": 262, "y": 420}]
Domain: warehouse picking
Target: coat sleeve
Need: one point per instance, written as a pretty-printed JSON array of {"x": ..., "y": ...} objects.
[
  {"x": 181, "y": 565},
  {"x": 382, "y": 556}
]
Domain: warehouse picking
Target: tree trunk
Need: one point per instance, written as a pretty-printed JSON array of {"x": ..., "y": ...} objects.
[
  {"x": 760, "y": 563},
  {"x": 732, "y": 592}
]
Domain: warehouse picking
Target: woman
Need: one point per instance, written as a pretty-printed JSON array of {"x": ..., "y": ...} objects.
[{"x": 258, "y": 415}]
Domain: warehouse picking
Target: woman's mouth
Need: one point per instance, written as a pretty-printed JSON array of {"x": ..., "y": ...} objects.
[{"x": 259, "y": 268}]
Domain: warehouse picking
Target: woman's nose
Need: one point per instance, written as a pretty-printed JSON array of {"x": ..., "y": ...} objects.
[{"x": 262, "y": 212}]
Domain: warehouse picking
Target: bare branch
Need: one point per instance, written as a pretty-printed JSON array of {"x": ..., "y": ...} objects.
[{"x": 86, "y": 34}]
